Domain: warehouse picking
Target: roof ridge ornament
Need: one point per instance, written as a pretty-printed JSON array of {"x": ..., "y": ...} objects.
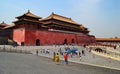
[
  {"x": 53, "y": 13},
  {"x": 3, "y": 22},
  {"x": 28, "y": 11}
]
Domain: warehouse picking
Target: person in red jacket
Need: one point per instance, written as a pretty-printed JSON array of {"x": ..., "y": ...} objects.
[{"x": 66, "y": 58}]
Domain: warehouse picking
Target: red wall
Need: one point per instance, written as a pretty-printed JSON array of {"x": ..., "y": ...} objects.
[
  {"x": 83, "y": 39},
  {"x": 29, "y": 37},
  {"x": 19, "y": 35},
  {"x": 47, "y": 37}
]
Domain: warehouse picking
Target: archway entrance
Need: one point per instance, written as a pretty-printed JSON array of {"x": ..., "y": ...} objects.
[
  {"x": 22, "y": 43},
  {"x": 37, "y": 42},
  {"x": 72, "y": 41},
  {"x": 65, "y": 41}
]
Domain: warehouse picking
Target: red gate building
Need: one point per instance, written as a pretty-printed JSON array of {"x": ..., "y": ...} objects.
[{"x": 55, "y": 29}]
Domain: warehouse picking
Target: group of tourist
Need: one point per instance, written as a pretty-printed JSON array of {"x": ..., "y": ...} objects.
[
  {"x": 65, "y": 52},
  {"x": 56, "y": 58}
]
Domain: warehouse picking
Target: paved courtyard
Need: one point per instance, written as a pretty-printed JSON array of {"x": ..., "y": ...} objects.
[
  {"x": 89, "y": 58},
  {"x": 17, "y": 63}
]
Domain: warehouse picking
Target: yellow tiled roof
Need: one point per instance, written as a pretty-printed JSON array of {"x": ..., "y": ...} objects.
[
  {"x": 4, "y": 24},
  {"x": 61, "y": 18},
  {"x": 108, "y": 39},
  {"x": 30, "y": 15},
  {"x": 10, "y": 26}
]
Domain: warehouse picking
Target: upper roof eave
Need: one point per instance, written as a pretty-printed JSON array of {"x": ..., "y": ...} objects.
[
  {"x": 10, "y": 26},
  {"x": 30, "y": 15},
  {"x": 4, "y": 24},
  {"x": 27, "y": 20},
  {"x": 61, "y": 18}
]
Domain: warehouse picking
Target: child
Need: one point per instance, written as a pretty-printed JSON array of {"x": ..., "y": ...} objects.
[{"x": 66, "y": 58}]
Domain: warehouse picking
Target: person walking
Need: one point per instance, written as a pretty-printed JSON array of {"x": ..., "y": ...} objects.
[
  {"x": 83, "y": 52},
  {"x": 66, "y": 58},
  {"x": 71, "y": 54},
  {"x": 54, "y": 56},
  {"x": 57, "y": 58},
  {"x": 79, "y": 54},
  {"x": 37, "y": 52}
]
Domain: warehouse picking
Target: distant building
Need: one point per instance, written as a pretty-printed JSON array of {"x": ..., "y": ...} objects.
[
  {"x": 108, "y": 39},
  {"x": 5, "y": 32},
  {"x": 30, "y": 29},
  {"x": 110, "y": 42}
]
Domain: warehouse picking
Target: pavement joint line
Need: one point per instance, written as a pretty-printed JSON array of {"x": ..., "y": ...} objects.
[{"x": 84, "y": 63}]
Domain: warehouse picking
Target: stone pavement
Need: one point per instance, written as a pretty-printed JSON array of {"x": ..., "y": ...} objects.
[
  {"x": 89, "y": 58},
  {"x": 14, "y": 63}
]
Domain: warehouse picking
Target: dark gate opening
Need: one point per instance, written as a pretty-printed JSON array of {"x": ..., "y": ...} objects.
[
  {"x": 73, "y": 41},
  {"x": 37, "y": 42},
  {"x": 65, "y": 41},
  {"x": 22, "y": 43}
]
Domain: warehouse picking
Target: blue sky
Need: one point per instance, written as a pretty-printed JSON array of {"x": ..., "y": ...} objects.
[{"x": 102, "y": 17}]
